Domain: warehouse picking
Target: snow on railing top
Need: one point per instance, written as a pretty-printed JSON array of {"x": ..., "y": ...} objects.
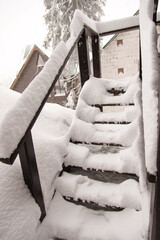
[
  {"x": 150, "y": 83},
  {"x": 80, "y": 19},
  {"x": 124, "y": 23}
]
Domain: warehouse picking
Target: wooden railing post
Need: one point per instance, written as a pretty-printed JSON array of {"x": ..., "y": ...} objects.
[
  {"x": 96, "y": 56},
  {"x": 30, "y": 172},
  {"x": 83, "y": 54}
]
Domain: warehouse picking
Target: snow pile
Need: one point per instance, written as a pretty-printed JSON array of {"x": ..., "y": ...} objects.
[
  {"x": 24, "y": 109},
  {"x": 150, "y": 83},
  {"x": 20, "y": 214},
  {"x": 95, "y": 91},
  {"x": 69, "y": 221},
  {"x": 121, "y": 162},
  {"x": 113, "y": 25},
  {"x": 50, "y": 140}
]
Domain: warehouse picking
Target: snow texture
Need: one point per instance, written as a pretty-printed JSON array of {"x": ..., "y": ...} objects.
[
  {"x": 125, "y": 194},
  {"x": 150, "y": 83},
  {"x": 113, "y": 25},
  {"x": 68, "y": 221}
]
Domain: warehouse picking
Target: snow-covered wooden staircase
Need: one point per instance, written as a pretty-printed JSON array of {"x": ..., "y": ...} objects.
[{"x": 98, "y": 194}]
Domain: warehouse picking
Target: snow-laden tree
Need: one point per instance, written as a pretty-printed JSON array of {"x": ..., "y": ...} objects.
[{"x": 59, "y": 14}]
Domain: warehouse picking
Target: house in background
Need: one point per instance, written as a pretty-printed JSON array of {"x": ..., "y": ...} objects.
[
  {"x": 120, "y": 56},
  {"x": 33, "y": 62}
]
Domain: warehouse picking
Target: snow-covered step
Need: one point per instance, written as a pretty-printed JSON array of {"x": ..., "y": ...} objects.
[
  {"x": 101, "y": 159},
  {"x": 101, "y": 175},
  {"x": 128, "y": 114},
  {"x": 71, "y": 222},
  {"x": 100, "y": 95},
  {"x": 110, "y": 128},
  {"x": 88, "y": 133},
  {"x": 123, "y": 195}
]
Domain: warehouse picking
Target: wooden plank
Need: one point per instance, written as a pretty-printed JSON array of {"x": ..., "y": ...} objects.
[
  {"x": 96, "y": 143},
  {"x": 96, "y": 56},
  {"x": 101, "y": 175},
  {"x": 30, "y": 172},
  {"x": 83, "y": 55}
]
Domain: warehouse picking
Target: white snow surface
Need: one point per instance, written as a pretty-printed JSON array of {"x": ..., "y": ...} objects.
[
  {"x": 122, "y": 162},
  {"x": 150, "y": 83},
  {"x": 19, "y": 218},
  {"x": 68, "y": 221}
]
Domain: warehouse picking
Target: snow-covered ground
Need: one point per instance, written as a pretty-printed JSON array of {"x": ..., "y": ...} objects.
[{"x": 19, "y": 212}]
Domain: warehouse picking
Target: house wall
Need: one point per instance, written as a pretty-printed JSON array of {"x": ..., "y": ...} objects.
[
  {"x": 28, "y": 74},
  {"x": 124, "y": 57}
]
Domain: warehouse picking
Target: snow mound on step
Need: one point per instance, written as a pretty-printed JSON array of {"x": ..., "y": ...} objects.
[
  {"x": 71, "y": 222},
  {"x": 95, "y": 90},
  {"x": 125, "y": 194}
]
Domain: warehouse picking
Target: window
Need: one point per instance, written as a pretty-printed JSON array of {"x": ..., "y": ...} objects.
[
  {"x": 119, "y": 43},
  {"x": 120, "y": 70}
]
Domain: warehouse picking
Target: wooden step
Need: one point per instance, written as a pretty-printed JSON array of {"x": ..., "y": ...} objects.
[
  {"x": 100, "y": 148},
  {"x": 109, "y": 122},
  {"x": 96, "y": 143},
  {"x": 99, "y": 175},
  {"x": 116, "y": 91},
  {"x": 93, "y": 205}
]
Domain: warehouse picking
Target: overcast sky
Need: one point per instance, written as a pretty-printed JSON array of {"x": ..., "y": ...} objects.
[{"x": 22, "y": 23}]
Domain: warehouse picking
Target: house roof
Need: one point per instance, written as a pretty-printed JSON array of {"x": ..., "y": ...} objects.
[
  {"x": 115, "y": 35},
  {"x": 27, "y": 59}
]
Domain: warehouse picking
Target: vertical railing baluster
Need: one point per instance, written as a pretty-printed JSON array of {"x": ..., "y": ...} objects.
[
  {"x": 96, "y": 56},
  {"x": 30, "y": 172},
  {"x": 83, "y": 54}
]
